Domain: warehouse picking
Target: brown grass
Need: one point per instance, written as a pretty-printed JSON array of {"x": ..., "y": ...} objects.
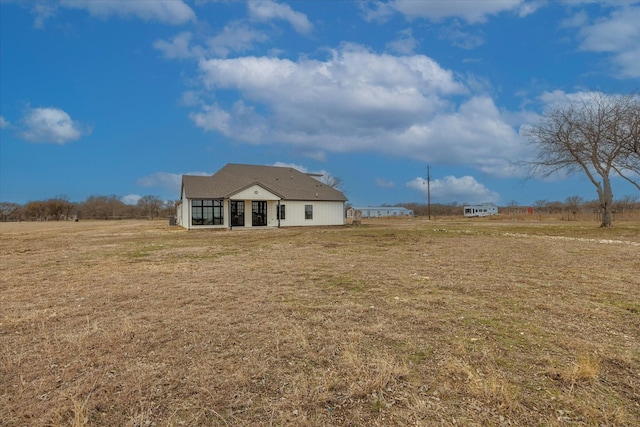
[
  {"x": 585, "y": 369},
  {"x": 394, "y": 323}
]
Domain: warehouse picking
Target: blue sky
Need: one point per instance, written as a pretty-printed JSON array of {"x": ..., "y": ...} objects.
[{"x": 101, "y": 97}]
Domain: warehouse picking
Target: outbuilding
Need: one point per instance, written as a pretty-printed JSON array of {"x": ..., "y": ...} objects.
[
  {"x": 383, "y": 211},
  {"x": 480, "y": 210},
  {"x": 241, "y": 195}
]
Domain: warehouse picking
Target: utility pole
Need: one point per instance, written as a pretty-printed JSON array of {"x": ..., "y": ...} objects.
[{"x": 429, "y": 192}]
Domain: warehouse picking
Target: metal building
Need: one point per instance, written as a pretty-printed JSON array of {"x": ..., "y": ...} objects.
[
  {"x": 383, "y": 211},
  {"x": 480, "y": 210}
]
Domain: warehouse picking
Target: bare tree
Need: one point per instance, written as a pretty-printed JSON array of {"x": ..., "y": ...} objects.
[
  {"x": 9, "y": 211},
  {"x": 594, "y": 135},
  {"x": 168, "y": 208},
  {"x": 629, "y": 132},
  {"x": 332, "y": 181},
  {"x": 35, "y": 210},
  {"x": 150, "y": 206},
  {"x": 542, "y": 204},
  {"x": 627, "y": 203},
  {"x": 58, "y": 208},
  {"x": 102, "y": 207},
  {"x": 630, "y": 201},
  {"x": 574, "y": 204}
]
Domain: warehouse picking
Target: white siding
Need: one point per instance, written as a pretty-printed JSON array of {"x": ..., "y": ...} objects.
[
  {"x": 183, "y": 213},
  {"x": 324, "y": 213},
  {"x": 272, "y": 214},
  {"x": 255, "y": 192}
]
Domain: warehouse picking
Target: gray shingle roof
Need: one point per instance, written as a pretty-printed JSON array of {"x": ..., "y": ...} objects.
[{"x": 286, "y": 182}]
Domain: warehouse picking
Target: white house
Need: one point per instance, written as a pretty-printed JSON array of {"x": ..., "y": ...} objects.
[
  {"x": 480, "y": 210},
  {"x": 257, "y": 196}
]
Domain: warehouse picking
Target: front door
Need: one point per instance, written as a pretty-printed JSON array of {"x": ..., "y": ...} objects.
[
  {"x": 237, "y": 213},
  {"x": 258, "y": 213}
]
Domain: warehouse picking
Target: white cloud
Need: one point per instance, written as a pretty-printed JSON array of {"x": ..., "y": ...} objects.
[
  {"x": 618, "y": 35},
  {"x": 629, "y": 62},
  {"x": 178, "y": 47},
  {"x": 297, "y": 167},
  {"x": 528, "y": 7},
  {"x": 451, "y": 189},
  {"x": 343, "y": 91},
  {"x": 172, "y": 12},
  {"x": 51, "y": 125},
  {"x": 235, "y": 37},
  {"x": 577, "y": 20},
  {"x": 131, "y": 199},
  {"x": 559, "y": 97},
  {"x": 556, "y": 97},
  {"x": 242, "y": 122},
  {"x": 318, "y": 155},
  {"x": 376, "y": 11},
  {"x": 460, "y": 38},
  {"x": 4, "y": 123},
  {"x": 43, "y": 11},
  {"x": 267, "y": 10},
  {"x": 470, "y": 11},
  {"x": 191, "y": 98},
  {"x": 405, "y": 44},
  {"x": 213, "y": 118},
  {"x": 477, "y": 134},
  {"x": 356, "y": 100}
]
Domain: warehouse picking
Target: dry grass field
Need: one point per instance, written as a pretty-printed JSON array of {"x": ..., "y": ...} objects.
[{"x": 393, "y": 323}]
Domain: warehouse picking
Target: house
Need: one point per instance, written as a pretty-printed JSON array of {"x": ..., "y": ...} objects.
[
  {"x": 382, "y": 211},
  {"x": 257, "y": 196},
  {"x": 480, "y": 210}
]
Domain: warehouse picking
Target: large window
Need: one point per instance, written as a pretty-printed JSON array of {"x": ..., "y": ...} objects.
[
  {"x": 308, "y": 211},
  {"x": 207, "y": 212}
]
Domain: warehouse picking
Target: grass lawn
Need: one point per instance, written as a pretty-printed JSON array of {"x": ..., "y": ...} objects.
[{"x": 393, "y": 323}]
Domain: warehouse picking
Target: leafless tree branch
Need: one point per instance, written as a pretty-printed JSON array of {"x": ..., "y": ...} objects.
[{"x": 598, "y": 136}]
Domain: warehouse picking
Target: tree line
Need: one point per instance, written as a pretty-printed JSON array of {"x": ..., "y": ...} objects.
[
  {"x": 59, "y": 208},
  {"x": 571, "y": 207}
]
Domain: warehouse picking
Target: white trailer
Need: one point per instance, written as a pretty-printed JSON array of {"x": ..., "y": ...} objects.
[{"x": 480, "y": 210}]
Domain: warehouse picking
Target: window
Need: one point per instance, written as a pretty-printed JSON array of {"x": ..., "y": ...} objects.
[
  {"x": 281, "y": 214},
  {"x": 207, "y": 212},
  {"x": 308, "y": 211}
]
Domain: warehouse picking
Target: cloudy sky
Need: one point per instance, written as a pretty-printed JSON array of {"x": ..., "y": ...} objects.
[{"x": 101, "y": 97}]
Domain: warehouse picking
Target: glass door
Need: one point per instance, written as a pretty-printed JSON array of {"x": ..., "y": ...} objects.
[
  {"x": 258, "y": 213},
  {"x": 237, "y": 213}
]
